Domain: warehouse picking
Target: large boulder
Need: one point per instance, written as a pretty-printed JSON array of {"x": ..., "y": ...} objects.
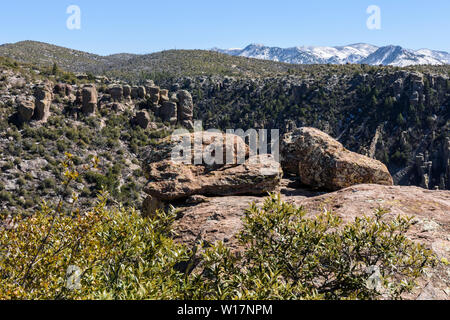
[
  {"x": 117, "y": 93},
  {"x": 44, "y": 96},
  {"x": 142, "y": 92},
  {"x": 164, "y": 96},
  {"x": 63, "y": 89},
  {"x": 126, "y": 92},
  {"x": 89, "y": 99},
  {"x": 185, "y": 109},
  {"x": 134, "y": 92},
  {"x": 171, "y": 179},
  {"x": 154, "y": 93},
  {"x": 168, "y": 112},
  {"x": 25, "y": 109},
  {"x": 322, "y": 162},
  {"x": 143, "y": 120}
]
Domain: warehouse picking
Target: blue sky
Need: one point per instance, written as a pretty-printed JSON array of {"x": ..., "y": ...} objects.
[{"x": 140, "y": 26}]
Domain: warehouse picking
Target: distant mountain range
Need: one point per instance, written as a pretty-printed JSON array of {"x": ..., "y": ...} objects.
[
  {"x": 360, "y": 53},
  {"x": 270, "y": 62}
]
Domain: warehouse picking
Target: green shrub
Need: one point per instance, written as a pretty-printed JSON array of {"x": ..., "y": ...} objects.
[
  {"x": 5, "y": 196},
  {"x": 8, "y": 166},
  {"x": 121, "y": 255},
  {"x": 49, "y": 183},
  {"x": 400, "y": 158},
  {"x": 21, "y": 181}
]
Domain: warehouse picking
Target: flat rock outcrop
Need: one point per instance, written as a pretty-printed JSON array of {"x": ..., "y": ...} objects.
[
  {"x": 322, "y": 162},
  {"x": 258, "y": 178},
  {"x": 171, "y": 178}
]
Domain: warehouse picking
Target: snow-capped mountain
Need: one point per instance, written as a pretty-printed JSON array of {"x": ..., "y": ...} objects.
[{"x": 354, "y": 53}]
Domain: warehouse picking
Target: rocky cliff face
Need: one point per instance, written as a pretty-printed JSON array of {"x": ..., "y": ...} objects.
[
  {"x": 43, "y": 117},
  {"x": 142, "y": 100}
]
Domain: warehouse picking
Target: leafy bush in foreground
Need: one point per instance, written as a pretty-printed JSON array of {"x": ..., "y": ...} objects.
[
  {"x": 290, "y": 256},
  {"x": 120, "y": 255}
]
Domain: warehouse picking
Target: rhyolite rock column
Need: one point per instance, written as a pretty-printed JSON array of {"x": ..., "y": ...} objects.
[
  {"x": 185, "y": 109},
  {"x": 43, "y": 99},
  {"x": 25, "y": 109},
  {"x": 89, "y": 97}
]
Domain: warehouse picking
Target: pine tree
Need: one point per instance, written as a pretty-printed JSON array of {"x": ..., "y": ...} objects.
[{"x": 55, "y": 69}]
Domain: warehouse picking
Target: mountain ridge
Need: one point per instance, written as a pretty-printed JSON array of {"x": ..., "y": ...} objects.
[
  {"x": 170, "y": 62},
  {"x": 42, "y": 53},
  {"x": 361, "y": 53}
]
